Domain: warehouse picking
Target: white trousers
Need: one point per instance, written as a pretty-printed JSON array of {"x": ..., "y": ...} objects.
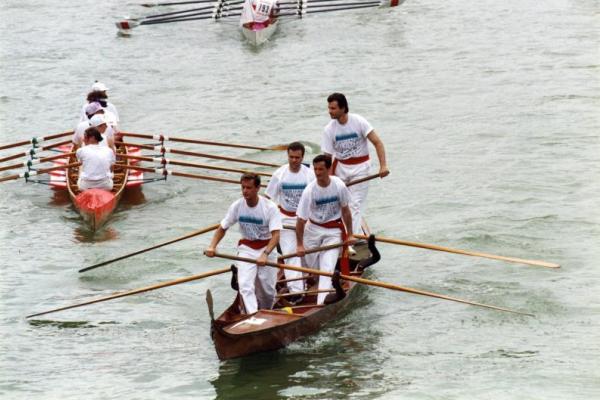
[
  {"x": 358, "y": 193},
  {"x": 84, "y": 184},
  {"x": 288, "y": 244},
  {"x": 317, "y": 236},
  {"x": 256, "y": 284}
]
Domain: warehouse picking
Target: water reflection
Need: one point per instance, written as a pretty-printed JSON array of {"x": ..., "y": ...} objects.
[
  {"x": 132, "y": 196},
  {"x": 84, "y": 234},
  {"x": 60, "y": 197}
]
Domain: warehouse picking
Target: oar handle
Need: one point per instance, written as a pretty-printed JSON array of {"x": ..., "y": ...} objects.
[
  {"x": 371, "y": 283},
  {"x": 28, "y": 174},
  {"x": 361, "y": 180},
  {"x": 36, "y": 140},
  {"x": 314, "y": 250},
  {"x": 165, "y": 171},
  {"x": 463, "y": 252}
]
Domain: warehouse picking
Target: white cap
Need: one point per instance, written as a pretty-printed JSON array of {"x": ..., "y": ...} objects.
[
  {"x": 93, "y": 108},
  {"x": 99, "y": 87},
  {"x": 97, "y": 120}
]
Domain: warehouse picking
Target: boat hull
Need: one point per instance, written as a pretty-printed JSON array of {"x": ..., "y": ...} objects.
[{"x": 257, "y": 33}]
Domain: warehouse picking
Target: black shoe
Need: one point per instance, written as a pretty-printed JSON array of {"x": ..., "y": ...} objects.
[{"x": 295, "y": 299}]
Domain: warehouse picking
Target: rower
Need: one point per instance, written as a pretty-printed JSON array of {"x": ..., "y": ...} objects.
[
  {"x": 98, "y": 121},
  {"x": 91, "y": 109},
  {"x": 96, "y": 162},
  {"x": 258, "y": 11},
  {"x": 285, "y": 188},
  {"x": 345, "y": 138},
  {"x": 98, "y": 94},
  {"x": 322, "y": 208},
  {"x": 260, "y": 223}
]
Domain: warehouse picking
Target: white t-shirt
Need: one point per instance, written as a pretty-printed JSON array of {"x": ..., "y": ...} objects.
[
  {"x": 323, "y": 204},
  {"x": 256, "y": 223},
  {"x": 96, "y": 161},
  {"x": 348, "y": 140},
  {"x": 257, "y": 11},
  {"x": 286, "y": 187}
]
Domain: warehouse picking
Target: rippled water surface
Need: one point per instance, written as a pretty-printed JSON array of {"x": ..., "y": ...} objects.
[{"x": 490, "y": 115}]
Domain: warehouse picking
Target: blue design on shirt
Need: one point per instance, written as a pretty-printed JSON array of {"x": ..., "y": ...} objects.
[
  {"x": 326, "y": 200},
  {"x": 293, "y": 186},
  {"x": 346, "y": 136},
  {"x": 250, "y": 220}
]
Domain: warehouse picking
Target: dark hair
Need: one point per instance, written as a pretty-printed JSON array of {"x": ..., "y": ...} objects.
[
  {"x": 323, "y": 158},
  {"x": 93, "y": 131},
  {"x": 340, "y": 99},
  {"x": 294, "y": 146},
  {"x": 99, "y": 97},
  {"x": 250, "y": 176}
]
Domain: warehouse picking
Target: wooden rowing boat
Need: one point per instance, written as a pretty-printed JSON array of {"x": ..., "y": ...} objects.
[
  {"x": 236, "y": 335},
  {"x": 96, "y": 205},
  {"x": 258, "y": 33}
]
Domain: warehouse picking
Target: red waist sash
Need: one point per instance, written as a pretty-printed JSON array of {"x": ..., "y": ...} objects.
[
  {"x": 254, "y": 244},
  {"x": 286, "y": 212},
  {"x": 348, "y": 161},
  {"x": 338, "y": 224}
]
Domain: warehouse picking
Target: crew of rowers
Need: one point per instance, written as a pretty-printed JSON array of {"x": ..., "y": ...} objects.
[
  {"x": 315, "y": 201},
  {"x": 94, "y": 139}
]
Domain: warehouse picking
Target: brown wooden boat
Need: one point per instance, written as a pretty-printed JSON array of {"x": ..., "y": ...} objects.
[
  {"x": 96, "y": 205},
  {"x": 235, "y": 334}
]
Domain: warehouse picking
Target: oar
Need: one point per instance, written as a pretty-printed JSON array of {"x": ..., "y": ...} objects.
[
  {"x": 36, "y": 140},
  {"x": 127, "y": 24},
  {"x": 34, "y": 161},
  {"x": 176, "y": 3},
  {"x": 29, "y": 174},
  {"x": 137, "y": 291},
  {"x": 371, "y": 283},
  {"x": 166, "y": 161},
  {"x": 195, "y": 154},
  {"x": 164, "y": 171},
  {"x": 458, "y": 251},
  {"x": 190, "y": 10},
  {"x": 361, "y": 180},
  {"x": 31, "y": 152},
  {"x": 179, "y": 239},
  {"x": 347, "y": 4},
  {"x": 313, "y": 250},
  {"x": 302, "y": 12},
  {"x": 207, "y": 142},
  {"x": 209, "y": 12}
]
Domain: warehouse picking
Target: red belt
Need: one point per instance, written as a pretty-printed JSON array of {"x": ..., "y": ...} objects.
[
  {"x": 286, "y": 212},
  {"x": 254, "y": 244},
  {"x": 338, "y": 224},
  {"x": 348, "y": 161}
]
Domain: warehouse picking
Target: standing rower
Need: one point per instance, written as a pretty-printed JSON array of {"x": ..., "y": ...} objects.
[
  {"x": 260, "y": 224},
  {"x": 345, "y": 138},
  {"x": 285, "y": 188},
  {"x": 97, "y": 162},
  {"x": 322, "y": 208}
]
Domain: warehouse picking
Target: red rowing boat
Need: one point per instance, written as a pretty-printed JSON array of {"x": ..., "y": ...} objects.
[{"x": 235, "y": 334}]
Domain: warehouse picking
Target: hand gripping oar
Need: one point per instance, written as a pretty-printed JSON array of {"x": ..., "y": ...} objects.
[
  {"x": 35, "y": 161},
  {"x": 166, "y": 161},
  {"x": 29, "y": 174},
  {"x": 137, "y": 291},
  {"x": 463, "y": 252},
  {"x": 162, "y": 149},
  {"x": 33, "y": 151},
  {"x": 36, "y": 140},
  {"x": 189, "y": 235},
  {"x": 372, "y": 283},
  {"x": 165, "y": 172},
  {"x": 207, "y": 142}
]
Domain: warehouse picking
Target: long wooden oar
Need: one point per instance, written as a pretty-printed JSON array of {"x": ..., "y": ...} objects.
[
  {"x": 313, "y": 250},
  {"x": 195, "y": 154},
  {"x": 373, "y": 283},
  {"x": 361, "y": 180},
  {"x": 36, "y": 140},
  {"x": 185, "y": 16},
  {"x": 164, "y": 171},
  {"x": 35, "y": 161},
  {"x": 207, "y": 142},
  {"x": 128, "y": 24},
  {"x": 343, "y": 4},
  {"x": 137, "y": 291},
  {"x": 463, "y": 252},
  {"x": 166, "y": 161},
  {"x": 299, "y": 13},
  {"x": 29, "y": 174},
  {"x": 179, "y": 239},
  {"x": 31, "y": 152},
  {"x": 176, "y": 3}
]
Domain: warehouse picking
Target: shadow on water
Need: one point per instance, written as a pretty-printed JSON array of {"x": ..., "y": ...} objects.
[
  {"x": 65, "y": 324},
  {"x": 60, "y": 197},
  {"x": 133, "y": 196},
  {"x": 84, "y": 234}
]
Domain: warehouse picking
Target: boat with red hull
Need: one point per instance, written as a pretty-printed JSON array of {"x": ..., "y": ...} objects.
[{"x": 236, "y": 334}]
